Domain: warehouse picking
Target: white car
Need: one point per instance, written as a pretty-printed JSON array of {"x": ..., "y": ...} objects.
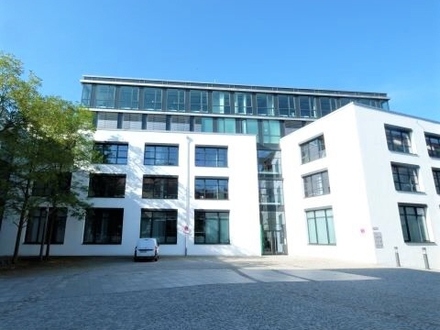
[{"x": 146, "y": 248}]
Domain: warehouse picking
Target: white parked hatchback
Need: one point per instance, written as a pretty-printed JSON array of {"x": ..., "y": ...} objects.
[{"x": 146, "y": 248}]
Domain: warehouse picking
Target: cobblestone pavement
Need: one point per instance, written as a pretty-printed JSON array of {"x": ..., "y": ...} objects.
[{"x": 218, "y": 293}]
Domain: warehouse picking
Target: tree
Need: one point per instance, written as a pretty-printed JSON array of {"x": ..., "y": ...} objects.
[{"x": 41, "y": 140}]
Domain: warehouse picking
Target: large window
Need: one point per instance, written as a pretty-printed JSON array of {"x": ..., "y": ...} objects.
[
  {"x": 398, "y": 139},
  {"x": 405, "y": 177},
  {"x": 60, "y": 184},
  {"x": 159, "y": 187},
  {"x": 161, "y": 155},
  {"x": 243, "y": 103},
  {"x": 413, "y": 221},
  {"x": 271, "y": 131},
  {"x": 211, "y": 156},
  {"x": 211, "y": 227},
  {"x": 112, "y": 152},
  {"x": 265, "y": 105},
  {"x": 105, "y": 96},
  {"x": 313, "y": 150},
  {"x": 203, "y": 124},
  {"x": 86, "y": 97},
  {"x": 433, "y": 144},
  {"x": 225, "y": 125},
  {"x": 54, "y": 228},
  {"x": 152, "y": 99},
  {"x": 269, "y": 161},
  {"x": 128, "y": 97},
  {"x": 160, "y": 224},
  {"x": 436, "y": 175},
  {"x": 271, "y": 192},
  {"x": 176, "y": 99},
  {"x": 221, "y": 102},
  {"x": 320, "y": 227},
  {"x": 198, "y": 101},
  {"x": 211, "y": 188},
  {"x": 316, "y": 184},
  {"x": 103, "y": 226},
  {"x": 286, "y": 105},
  {"x": 307, "y": 106},
  {"x": 327, "y": 105},
  {"x": 107, "y": 185}
]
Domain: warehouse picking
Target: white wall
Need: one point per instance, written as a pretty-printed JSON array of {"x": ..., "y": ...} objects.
[{"x": 242, "y": 203}]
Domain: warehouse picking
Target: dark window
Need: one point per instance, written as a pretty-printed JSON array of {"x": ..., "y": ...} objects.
[
  {"x": 265, "y": 105},
  {"x": 111, "y": 152},
  {"x": 152, "y": 99},
  {"x": 307, "y": 106},
  {"x": 159, "y": 224},
  {"x": 176, "y": 99},
  {"x": 243, "y": 103},
  {"x": 211, "y": 188},
  {"x": 107, "y": 185},
  {"x": 316, "y": 184},
  {"x": 398, "y": 139},
  {"x": 313, "y": 150},
  {"x": 161, "y": 155},
  {"x": 211, "y": 227},
  {"x": 269, "y": 161},
  {"x": 103, "y": 226},
  {"x": 198, "y": 101},
  {"x": 128, "y": 97},
  {"x": 412, "y": 219},
  {"x": 55, "y": 226},
  {"x": 433, "y": 144},
  {"x": 286, "y": 105},
  {"x": 105, "y": 96},
  {"x": 160, "y": 187},
  {"x": 405, "y": 177},
  {"x": 211, "y": 156},
  {"x": 327, "y": 105},
  {"x": 320, "y": 227},
  {"x": 59, "y": 184},
  {"x": 436, "y": 175}
]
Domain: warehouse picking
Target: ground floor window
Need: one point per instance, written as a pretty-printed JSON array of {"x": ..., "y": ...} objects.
[
  {"x": 160, "y": 224},
  {"x": 413, "y": 221},
  {"x": 53, "y": 224},
  {"x": 320, "y": 227},
  {"x": 211, "y": 227},
  {"x": 103, "y": 226}
]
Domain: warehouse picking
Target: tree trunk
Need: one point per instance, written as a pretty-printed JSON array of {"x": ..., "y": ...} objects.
[{"x": 18, "y": 237}]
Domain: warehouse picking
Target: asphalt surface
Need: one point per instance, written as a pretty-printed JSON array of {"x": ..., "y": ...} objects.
[{"x": 217, "y": 293}]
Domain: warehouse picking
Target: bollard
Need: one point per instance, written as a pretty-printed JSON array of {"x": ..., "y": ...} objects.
[
  {"x": 396, "y": 254},
  {"x": 425, "y": 258}
]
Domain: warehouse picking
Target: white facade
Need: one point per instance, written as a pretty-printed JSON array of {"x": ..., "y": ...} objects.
[
  {"x": 362, "y": 197},
  {"x": 242, "y": 203}
]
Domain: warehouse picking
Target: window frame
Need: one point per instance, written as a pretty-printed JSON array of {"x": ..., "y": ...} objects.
[
  {"x": 120, "y": 154},
  {"x": 436, "y": 177},
  {"x": 169, "y": 216},
  {"x": 204, "y": 154},
  {"x": 57, "y": 218},
  {"x": 211, "y": 188},
  {"x": 113, "y": 188},
  {"x": 94, "y": 221},
  {"x": 161, "y": 187},
  {"x": 171, "y": 159},
  {"x": 318, "y": 237},
  {"x": 201, "y": 225},
  {"x": 402, "y": 171},
  {"x": 408, "y": 233},
  {"x": 313, "y": 188},
  {"x": 313, "y": 149},
  {"x": 399, "y": 139},
  {"x": 433, "y": 144}
]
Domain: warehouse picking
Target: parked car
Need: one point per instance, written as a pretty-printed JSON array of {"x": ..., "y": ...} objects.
[{"x": 146, "y": 248}]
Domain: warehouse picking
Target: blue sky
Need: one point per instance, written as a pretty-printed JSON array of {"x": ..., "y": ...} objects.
[{"x": 390, "y": 46}]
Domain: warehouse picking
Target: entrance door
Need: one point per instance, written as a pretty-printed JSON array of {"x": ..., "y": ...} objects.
[{"x": 273, "y": 242}]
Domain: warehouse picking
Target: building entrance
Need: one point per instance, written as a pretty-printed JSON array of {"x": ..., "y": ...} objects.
[{"x": 273, "y": 242}]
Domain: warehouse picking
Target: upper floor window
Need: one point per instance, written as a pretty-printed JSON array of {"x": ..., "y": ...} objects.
[
  {"x": 221, "y": 102},
  {"x": 225, "y": 125},
  {"x": 128, "y": 97},
  {"x": 161, "y": 155},
  {"x": 107, "y": 185},
  {"x": 405, "y": 177},
  {"x": 176, "y": 100},
  {"x": 413, "y": 221},
  {"x": 327, "y": 105},
  {"x": 58, "y": 184},
  {"x": 269, "y": 161},
  {"x": 316, "y": 184},
  {"x": 105, "y": 96},
  {"x": 271, "y": 191},
  {"x": 307, "y": 106},
  {"x": 211, "y": 156},
  {"x": 265, "y": 105},
  {"x": 286, "y": 105},
  {"x": 271, "y": 131},
  {"x": 211, "y": 227},
  {"x": 433, "y": 144},
  {"x": 320, "y": 227},
  {"x": 211, "y": 188},
  {"x": 398, "y": 139},
  {"x": 436, "y": 175},
  {"x": 243, "y": 103},
  {"x": 86, "y": 97},
  {"x": 160, "y": 224},
  {"x": 313, "y": 149},
  {"x": 159, "y": 187},
  {"x": 198, "y": 101},
  {"x": 112, "y": 152},
  {"x": 152, "y": 99}
]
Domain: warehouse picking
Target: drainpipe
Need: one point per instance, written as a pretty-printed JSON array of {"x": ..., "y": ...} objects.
[{"x": 188, "y": 191}]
